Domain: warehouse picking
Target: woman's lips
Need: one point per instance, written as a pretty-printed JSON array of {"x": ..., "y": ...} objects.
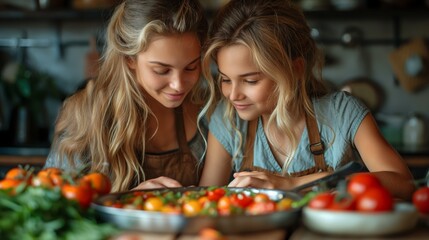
[
  {"x": 175, "y": 96},
  {"x": 241, "y": 106}
]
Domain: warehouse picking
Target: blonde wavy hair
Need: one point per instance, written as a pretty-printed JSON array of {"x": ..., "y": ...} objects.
[
  {"x": 103, "y": 126},
  {"x": 276, "y": 33}
]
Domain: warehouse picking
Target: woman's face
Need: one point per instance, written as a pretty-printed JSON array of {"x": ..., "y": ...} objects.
[
  {"x": 248, "y": 90},
  {"x": 169, "y": 68}
]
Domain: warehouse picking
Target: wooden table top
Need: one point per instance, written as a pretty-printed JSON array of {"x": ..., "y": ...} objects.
[{"x": 420, "y": 232}]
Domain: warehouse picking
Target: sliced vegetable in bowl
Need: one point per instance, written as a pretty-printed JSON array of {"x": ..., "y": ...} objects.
[{"x": 188, "y": 210}]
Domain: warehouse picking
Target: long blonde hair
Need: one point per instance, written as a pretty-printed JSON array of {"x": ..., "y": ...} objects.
[
  {"x": 276, "y": 33},
  {"x": 104, "y": 125}
]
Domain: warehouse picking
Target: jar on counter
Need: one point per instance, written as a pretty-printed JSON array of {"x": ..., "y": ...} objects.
[{"x": 413, "y": 131}]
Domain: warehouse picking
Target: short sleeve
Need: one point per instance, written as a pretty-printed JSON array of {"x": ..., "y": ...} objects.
[
  {"x": 221, "y": 128},
  {"x": 350, "y": 113}
]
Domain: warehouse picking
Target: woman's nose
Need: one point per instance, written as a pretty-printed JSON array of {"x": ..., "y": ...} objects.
[
  {"x": 234, "y": 93},
  {"x": 177, "y": 82}
]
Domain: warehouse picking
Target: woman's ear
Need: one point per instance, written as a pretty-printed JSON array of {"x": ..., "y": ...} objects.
[
  {"x": 131, "y": 62},
  {"x": 299, "y": 66}
]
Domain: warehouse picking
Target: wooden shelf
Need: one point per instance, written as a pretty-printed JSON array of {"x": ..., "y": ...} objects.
[
  {"x": 56, "y": 15},
  {"x": 104, "y": 14}
]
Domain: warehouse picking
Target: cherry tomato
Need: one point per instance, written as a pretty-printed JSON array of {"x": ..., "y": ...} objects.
[
  {"x": 153, "y": 204},
  {"x": 261, "y": 208},
  {"x": 80, "y": 192},
  {"x": 99, "y": 182},
  {"x": 210, "y": 234},
  {"x": 421, "y": 199},
  {"x": 376, "y": 199},
  {"x": 361, "y": 182},
  {"x": 241, "y": 200},
  {"x": 215, "y": 194},
  {"x": 345, "y": 204},
  {"x": 170, "y": 209},
  {"x": 322, "y": 200},
  {"x": 284, "y": 204},
  {"x": 10, "y": 184},
  {"x": 224, "y": 206},
  {"x": 261, "y": 197},
  {"x": 42, "y": 181},
  {"x": 52, "y": 173},
  {"x": 191, "y": 208},
  {"x": 19, "y": 173}
]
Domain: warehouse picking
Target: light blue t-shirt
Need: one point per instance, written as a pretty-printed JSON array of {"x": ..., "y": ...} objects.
[{"x": 338, "y": 115}]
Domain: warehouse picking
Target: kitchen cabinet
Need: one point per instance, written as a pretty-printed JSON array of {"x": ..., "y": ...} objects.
[{"x": 56, "y": 18}]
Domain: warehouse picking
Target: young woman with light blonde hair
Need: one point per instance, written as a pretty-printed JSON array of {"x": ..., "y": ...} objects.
[
  {"x": 272, "y": 120},
  {"x": 137, "y": 120}
]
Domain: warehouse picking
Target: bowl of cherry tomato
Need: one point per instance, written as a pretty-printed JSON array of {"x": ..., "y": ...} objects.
[
  {"x": 360, "y": 207},
  {"x": 191, "y": 209}
]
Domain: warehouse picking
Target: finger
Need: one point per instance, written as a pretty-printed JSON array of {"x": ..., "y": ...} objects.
[
  {"x": 168, "y": 182},
  {"x": 150, "y": 184},
  {"x": 245, "y": 181},
  {"x": 243, "y": 174}
]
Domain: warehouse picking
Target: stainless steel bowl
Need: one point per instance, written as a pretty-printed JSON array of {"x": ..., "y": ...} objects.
[{"x": 157, "y": 222}]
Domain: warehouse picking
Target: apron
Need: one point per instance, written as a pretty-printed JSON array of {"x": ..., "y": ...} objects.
[
  {"x": 179, "y": 164},
  {"x": 316, "y": 147}
]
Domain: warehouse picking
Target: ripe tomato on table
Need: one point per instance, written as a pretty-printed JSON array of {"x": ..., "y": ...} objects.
[
  {"x": 376, "y": 199},
  {"x": 361, "y": 182},
  {"x": 215, "y": 194},
  {"x": 322, "y": 200},
  {"x": 80, "y": 191},
  {"x": 421, "y": 199},
  {"x": 99, "y": 182}
]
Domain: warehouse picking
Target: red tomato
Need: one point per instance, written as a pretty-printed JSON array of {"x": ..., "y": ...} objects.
[
  {"x": 99, "y": 182},
  {"x": 345, "y": 204},
  {"x": 421, "y": 199},
  {"x": 215, "y": 194},
  {"x": 224, "y": 206},
  {"x": 261, "y": 197},
  {"x": 375, "y": 200},
  {"x": 10, "y": 184},
  {"x": 50, "y": 176},
  {"x": 80, "y": 192},
  {"x": 361, "y": 182},
  {"x": 322, "y": 200},
  {"x": 19, "y": 173},
  {"x": 241, "y": 200},
  {"x": 261, "y": 208}
]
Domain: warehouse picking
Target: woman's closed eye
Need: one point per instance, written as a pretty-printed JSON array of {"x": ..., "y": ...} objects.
[
  {"x": 191, "y": 68},
  {"x": 225, "y": 80},
  {"x": 161, "y": 71},
  {"x": 251, "y": 81}
]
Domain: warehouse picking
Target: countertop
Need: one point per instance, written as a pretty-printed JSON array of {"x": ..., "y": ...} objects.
[
  {"x": 421, "y": 231},
  {"x": 43, "y": 150}
]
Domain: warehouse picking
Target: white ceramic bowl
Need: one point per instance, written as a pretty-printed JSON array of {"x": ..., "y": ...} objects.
[{"x": 404, "y": 217}]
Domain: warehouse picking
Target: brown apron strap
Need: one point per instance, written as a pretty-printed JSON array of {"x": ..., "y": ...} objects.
[
  {"x": 180, "y": 130},
  {"x": 316, "y": 145},
  {"x": 247, "y": 163}
]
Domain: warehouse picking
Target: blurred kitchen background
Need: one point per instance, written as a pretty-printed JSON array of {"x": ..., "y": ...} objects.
[{"x": 376, "y": 49}]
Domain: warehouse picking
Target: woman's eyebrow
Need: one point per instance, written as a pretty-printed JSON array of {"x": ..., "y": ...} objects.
[
  {"x": 168, "y": 65},
  {"x": 242, "y": 75}
]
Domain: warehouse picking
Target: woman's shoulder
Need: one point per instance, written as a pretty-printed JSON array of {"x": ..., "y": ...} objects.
[{"x": 340, "y": 100}]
